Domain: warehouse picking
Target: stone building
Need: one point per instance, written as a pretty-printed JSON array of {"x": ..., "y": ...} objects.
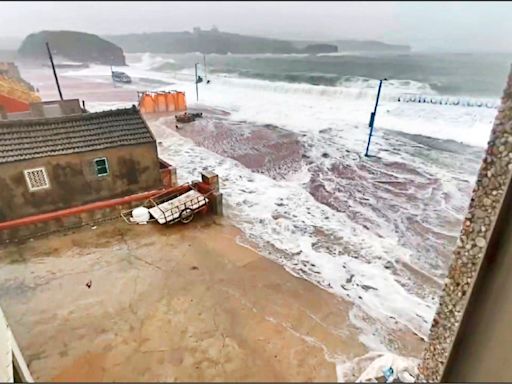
[{"x": 56, "y": 163}]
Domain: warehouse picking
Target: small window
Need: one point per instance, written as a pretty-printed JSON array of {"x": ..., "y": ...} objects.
[
  {"x": 101, "y": 165},
  {"x": 36, "y": 179}
]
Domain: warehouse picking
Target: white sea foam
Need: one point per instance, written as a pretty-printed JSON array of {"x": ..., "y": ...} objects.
[
  {"x": 354, "y": 270},
  {"x": 306, "y": 107},
  {"x": 282, "y": 218}
]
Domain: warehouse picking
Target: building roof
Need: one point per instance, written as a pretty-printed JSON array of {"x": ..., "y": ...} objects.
[{"x": 35, "y": 138}]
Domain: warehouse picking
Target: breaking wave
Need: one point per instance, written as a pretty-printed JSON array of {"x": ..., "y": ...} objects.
[{"x": 352, "y": 243}]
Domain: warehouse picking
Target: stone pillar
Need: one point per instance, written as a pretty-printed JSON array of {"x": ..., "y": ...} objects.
[
  {"x": 212, "y": 179},
  {"x": 169, "y": 177},
  {"x": 174, "y": 176},
  {"x": 37, "y": 110},
  {"x": 216, "y": 203}
]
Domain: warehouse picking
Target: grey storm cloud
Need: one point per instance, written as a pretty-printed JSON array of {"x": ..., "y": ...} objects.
[{"x": 465, "y": 26}]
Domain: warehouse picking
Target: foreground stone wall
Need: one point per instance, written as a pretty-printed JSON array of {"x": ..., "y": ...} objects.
[
  {"x": 492, "y": 183},
  {"x": 26, "y": 232}
]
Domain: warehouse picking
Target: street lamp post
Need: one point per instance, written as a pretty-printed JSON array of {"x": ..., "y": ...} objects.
[
  {"x": 197, "y": 87},
  {"x": 54, "y": 71},
  {"x": 372, "y": 118},
  {"x": 205, "y": 75}
]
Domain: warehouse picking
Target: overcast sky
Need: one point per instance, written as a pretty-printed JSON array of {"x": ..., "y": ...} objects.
[{"x": 462, "y": 26}]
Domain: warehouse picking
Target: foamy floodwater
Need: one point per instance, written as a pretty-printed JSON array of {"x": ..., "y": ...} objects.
[{"x": 376, "y": 231}]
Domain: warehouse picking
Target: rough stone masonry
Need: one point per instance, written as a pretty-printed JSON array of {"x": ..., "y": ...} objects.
[{"x": 488, "y": 193}]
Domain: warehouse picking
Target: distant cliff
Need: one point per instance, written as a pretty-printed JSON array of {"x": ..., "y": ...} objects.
[
  {"x": 369, "y": 46},
  {"x": 215, "y": 41},
  {"x": 74, "y": 46},
  {"x": 212, "y": 41},
  {"x": 320, "y": 48}
]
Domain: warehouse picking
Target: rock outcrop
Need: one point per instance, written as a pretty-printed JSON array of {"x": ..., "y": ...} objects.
[
  {"x": 74, "y": 46},
  {"x": 212, "y": 41},
  {"x": 320, "y": 48},
  {"x": 370, "y": 46}
]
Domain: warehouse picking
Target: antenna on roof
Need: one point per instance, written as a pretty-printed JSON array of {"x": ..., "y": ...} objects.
[{"x": 54, "y": 72}]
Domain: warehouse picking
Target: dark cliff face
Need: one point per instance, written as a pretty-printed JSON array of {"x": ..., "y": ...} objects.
[
  {"x": 321, "y": 48},
  {"x": 370, "y": 46},
  {"x": 215, "y": 41},
  {"x": 212, "y": 41},
  {"x": 74, "y": 46}
]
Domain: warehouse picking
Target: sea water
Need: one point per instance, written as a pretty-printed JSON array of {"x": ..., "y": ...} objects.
[{"x": 376, "y": 231}]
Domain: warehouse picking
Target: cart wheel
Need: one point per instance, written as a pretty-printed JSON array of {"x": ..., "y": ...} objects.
[{"x": 187, "y": 215}]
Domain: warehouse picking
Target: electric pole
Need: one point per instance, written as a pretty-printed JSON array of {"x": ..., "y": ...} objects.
[
  {"x": 197, "y": 87},
  {"x": 54, "y": 71},
  {"x": 372, "y": 118},
  {"x": 205, "y": 75}
]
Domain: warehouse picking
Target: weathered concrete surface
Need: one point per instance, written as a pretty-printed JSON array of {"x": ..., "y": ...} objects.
[
  {"x": 168, "y": 303},
  {"x": 488, "y": 194}
]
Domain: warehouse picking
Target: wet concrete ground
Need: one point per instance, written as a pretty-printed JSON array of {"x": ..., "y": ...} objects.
[{"x": 167, "y": 303}]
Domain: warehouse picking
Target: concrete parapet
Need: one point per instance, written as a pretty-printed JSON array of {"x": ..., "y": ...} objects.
[
  {"x": 454, "y": 344},
  {"x": 216, "y": 204},
  {"x": 212, "y": 179},
  {"x": 13, "y": 367}
]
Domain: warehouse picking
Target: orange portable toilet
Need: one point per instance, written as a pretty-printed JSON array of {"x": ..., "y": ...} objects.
[
  {"x": 181, "y": 104},
  {"x": 161, "y": 103},
  {"x": 171, "y": 101},
  {"x": 146, "y": 103}
]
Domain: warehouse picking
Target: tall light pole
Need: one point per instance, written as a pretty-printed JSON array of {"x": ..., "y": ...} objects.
[
  {"x": 372, "y": 117},
  {"x": 54, "y": 71},
  {"x": 197, "y": 88},
  {"x": 205, "y": 75}
]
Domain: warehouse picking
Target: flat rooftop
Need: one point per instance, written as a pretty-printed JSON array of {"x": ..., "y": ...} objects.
[{"x": 160, "y": 303}]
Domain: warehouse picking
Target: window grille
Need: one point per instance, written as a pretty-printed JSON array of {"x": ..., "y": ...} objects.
[
  {"x": 36, "y": 179},
  {"x": 101, "y": 166}
]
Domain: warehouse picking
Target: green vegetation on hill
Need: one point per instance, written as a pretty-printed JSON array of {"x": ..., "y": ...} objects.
[
  {"x": 212, "y": 41},
  {"x": 215, "y": 41},
  {"x": 75, "y": 46}
]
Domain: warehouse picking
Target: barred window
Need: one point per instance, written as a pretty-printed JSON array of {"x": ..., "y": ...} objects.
[
  {"x": 36, "y": 179},
  {"x": 101, "y": 166}
]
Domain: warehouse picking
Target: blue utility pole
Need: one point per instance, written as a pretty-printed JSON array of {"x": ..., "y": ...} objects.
[{"x": 372, "y": 118}]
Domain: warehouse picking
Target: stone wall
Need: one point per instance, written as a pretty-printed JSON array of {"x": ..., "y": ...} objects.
[
  {"x": 26, "y": 232},
  {"x": 492, "y": 183}
]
